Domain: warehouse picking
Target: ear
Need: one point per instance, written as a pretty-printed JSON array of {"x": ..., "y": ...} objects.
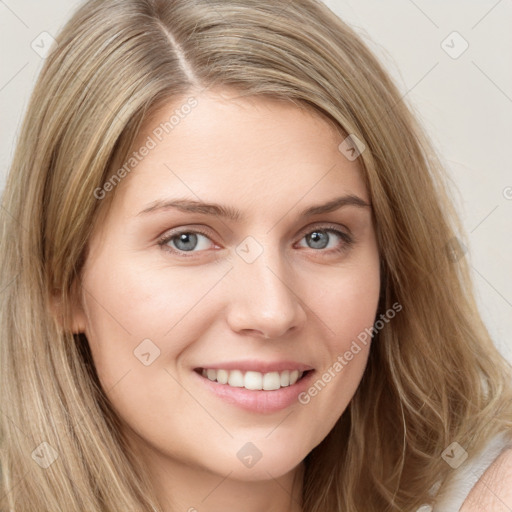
[{"x": 71, "y": 317}]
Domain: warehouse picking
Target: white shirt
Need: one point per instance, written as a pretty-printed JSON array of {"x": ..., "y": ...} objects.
[{"x": 468, "y": 474}]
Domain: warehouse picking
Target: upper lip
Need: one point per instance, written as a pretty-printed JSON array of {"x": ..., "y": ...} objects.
[{"x": 259, "y": 366}]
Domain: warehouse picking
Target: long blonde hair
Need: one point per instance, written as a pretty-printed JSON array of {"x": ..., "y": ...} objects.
[{"x": 433, "y": 376}]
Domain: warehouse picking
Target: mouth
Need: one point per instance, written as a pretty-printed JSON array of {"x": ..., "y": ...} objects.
[{"x": 253, "y": 380}]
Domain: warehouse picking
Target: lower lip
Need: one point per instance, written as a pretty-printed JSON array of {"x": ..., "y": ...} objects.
[{"x": 255, "y": 400}]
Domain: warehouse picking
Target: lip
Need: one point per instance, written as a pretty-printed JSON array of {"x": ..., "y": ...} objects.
[
  {"x": 254, "y": 365},
  {"x": 262, "y": 402}
]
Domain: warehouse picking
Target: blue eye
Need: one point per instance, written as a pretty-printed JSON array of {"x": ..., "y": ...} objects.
[
  {"x": 321, "y": 238},
  {"x": 193, "y": 241},
  {"x": 185, "y": 241}
]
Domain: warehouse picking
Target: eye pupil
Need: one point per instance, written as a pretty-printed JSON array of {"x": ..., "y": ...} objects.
[{"x": 316, "y": 238}]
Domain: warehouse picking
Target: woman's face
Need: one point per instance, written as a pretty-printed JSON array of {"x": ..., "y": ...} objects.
[{"x": 266, "y": 284}]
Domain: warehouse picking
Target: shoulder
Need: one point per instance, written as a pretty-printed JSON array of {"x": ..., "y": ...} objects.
[{"x": 493, "y": 491}]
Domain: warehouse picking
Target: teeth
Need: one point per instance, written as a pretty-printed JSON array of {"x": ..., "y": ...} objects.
[
  {"x": 271, "y": 381},
  {"x": 253, "y": 380},
  {"x": 222, "y": 376},
  {"x": 236, "y": 379}
]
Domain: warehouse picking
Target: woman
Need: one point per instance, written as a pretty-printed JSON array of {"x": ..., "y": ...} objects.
[{"x": 232, "y": 279}]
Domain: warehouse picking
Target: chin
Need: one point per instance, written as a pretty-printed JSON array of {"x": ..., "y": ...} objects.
[{"x": 260, "y": 460}]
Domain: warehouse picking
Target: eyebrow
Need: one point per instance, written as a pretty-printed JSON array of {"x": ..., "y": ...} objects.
[{"x": 227, "y": 212}]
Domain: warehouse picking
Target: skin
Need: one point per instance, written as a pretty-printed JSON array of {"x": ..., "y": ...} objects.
[
  {"x": 493, "y": 492},
  {"x": 270, "y": 160}
]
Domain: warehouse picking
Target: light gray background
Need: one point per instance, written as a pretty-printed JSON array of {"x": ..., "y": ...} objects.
[{"x": 465, "y": 103}]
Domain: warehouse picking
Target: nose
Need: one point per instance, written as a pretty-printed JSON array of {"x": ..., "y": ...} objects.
[{"x": 264, "y": 300}]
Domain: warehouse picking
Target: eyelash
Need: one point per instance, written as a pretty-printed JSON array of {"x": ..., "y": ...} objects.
[{"x": 165, "y": 239}]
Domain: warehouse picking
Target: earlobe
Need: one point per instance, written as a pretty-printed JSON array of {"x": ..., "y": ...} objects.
[
  {"x": 68, "y": 314},
  {"x": 77, "y": 322}
]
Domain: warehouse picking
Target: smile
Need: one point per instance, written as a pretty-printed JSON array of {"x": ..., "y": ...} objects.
[{"x": 253, "y": 380}]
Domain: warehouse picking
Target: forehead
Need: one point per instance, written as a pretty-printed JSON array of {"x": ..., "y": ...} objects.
[{"x": 253, "y": 152}]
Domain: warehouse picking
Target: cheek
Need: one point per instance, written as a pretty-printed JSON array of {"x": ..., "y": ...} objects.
[
  {"x": 346, "y": 307},
  {"x": 140, "y": 321},
  {"x": 348, "y": 303},
  {"x": 132, "y": 302}
]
